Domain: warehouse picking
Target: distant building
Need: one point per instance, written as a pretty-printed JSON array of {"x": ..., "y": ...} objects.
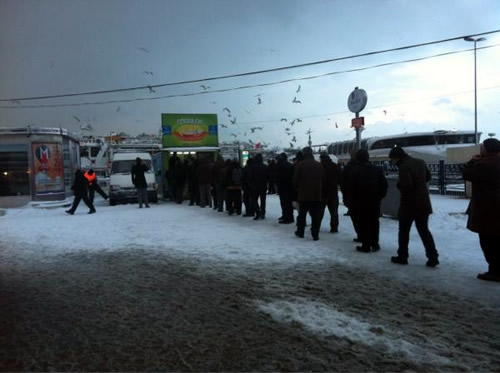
[{"x": 36, "y": 164}]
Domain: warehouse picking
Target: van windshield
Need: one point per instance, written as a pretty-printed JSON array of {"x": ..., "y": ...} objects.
[{"x": 125, "y": 167}]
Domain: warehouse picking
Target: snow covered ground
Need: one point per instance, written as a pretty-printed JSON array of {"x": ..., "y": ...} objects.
[{"x": 350, "y": 310}]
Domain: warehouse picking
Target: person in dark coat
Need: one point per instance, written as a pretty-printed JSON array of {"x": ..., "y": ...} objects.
[
  {"x": 245, "y": 185},
  {"x": 139, "y": 181},
  {"x": 483, "y": 171},
  {"x": 346, "y": 193},
  {"x": 178, "y": 180},
  {"x": 205, "y": 179},
  {"x": 80, "y": 190},
  {"x": 271, "y": 189},
  {"x": 219, "y": 170},
  {"x": 233, "y": 188},
  {"x": 309, "y": 181},
  {"x": 93, "y": 185},
  {"x": 331, "y": 191},
  {"x": 192, "y": 180},
  {"x": 258, "y": 178},
  {"x": 284, "y": 182},
  {"x": 368, "y": 186},
  {"x": 415, "y": 205}
]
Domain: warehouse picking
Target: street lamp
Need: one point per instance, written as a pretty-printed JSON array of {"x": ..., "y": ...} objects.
[{"x": 468, "y": 38}]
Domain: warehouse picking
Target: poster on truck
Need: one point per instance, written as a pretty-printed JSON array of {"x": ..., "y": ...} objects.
[
  {"x": 188, "y": 130},
  {"x": 48, "y": 168}
]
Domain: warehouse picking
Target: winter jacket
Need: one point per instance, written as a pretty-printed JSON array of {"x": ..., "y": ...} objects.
[
  {"x": 367, "y": 185},
  {"x": 284, "y": 176},
  {"x": 80, "y": 184},
  {"x": 138, "y": 177},
  {"x": 258, "y": 175},
  {"x": 332, "y": 177},
  {"x": 309, "y": 181},
  {"x": 484, "y": 206},
  {"x": 412, "y": 184}
]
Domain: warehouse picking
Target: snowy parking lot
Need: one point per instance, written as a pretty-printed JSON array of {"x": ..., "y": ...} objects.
[{"x": 180, "y": 288}]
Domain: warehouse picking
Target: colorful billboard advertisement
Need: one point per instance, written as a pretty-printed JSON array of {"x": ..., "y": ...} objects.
[
  {"x": 48, "y": 168},
  {"x": 189, "y": 130}
]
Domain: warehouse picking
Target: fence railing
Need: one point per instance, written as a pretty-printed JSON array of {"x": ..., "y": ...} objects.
[{"x": 447, "y": 178}]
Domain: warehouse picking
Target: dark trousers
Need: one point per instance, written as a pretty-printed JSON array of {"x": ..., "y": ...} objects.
[
  {"x": 490, "y": 244},
  {"x": 78, "y": 198},
  {"x": 367, "y": 221},
  {"x": 421, "y": 223},
  {"x": 333, "y": 208},
  {"x": 194, "y": 192},
  {"x": 96, "y": 188},
  {"x": 233, "y": 201},
  {"x": 314, "y": 209},
  {"x": 247, "y": 201},
  {"x": 259, "y": 195},
  {"x": 286, "y": 205}
]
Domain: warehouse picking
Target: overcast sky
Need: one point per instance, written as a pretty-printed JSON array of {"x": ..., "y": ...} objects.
[{"x": 72, "y": 46}]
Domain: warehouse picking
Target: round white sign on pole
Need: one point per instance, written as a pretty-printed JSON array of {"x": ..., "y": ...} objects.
[{"x": 357, "y": 100}]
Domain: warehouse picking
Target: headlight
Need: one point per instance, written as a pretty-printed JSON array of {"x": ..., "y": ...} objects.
[{"x": 114, "y": 188}]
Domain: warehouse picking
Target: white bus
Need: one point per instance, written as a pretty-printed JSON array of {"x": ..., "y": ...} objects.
[{"x": 429, "y": 146}]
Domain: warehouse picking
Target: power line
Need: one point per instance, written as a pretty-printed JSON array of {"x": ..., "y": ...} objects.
[
  {"x": 245, "y": 86},
  {"x": 249, "y": 73}
]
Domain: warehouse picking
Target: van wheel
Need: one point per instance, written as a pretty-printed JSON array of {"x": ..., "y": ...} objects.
[{"x": 112, "y": 202}]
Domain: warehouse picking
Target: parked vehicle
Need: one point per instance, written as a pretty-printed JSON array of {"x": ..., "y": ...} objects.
[{"x": 121, "y": 188}]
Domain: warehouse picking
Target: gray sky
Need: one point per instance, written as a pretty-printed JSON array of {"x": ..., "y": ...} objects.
[{"x": 71, "y": 46}]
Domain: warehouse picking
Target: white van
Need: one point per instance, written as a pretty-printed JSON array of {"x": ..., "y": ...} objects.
[{"x": 121, "y": 188}]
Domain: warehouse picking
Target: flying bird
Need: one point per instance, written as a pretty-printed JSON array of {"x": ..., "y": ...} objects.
[
  {"x": 295, "y": 101},
  {"x": 234, "y": 135},
  {"x": 385, "y": 112},
  {"x": 299, "y": 120},
  {"x": 151, "y": 90},
  {"x": 233, "y": 121},
  {"x": 228, "y": 111},
  {"x": 283, "y": 120},
  {"x": 223, "y": 125},
  {"x": 291, "y": 145},
  {"x": 204, "y": 87},
  {"x": 336, "y": 125},
  {"x": 259, "y": 101},
  {"x": 293, "y": 122},
  {"x": 118, "y": 108},
  {"x": 148, "y": 72},
  {"x": 294, "y": 139},
  {"x": 253, "y": 129},
  {"x": 143, "y": 49},
  {"x": 78, "y": 119},
  {"x": 298, "y": 89}
]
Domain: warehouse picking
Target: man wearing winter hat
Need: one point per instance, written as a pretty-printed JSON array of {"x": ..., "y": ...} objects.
[
  {"x": 483, "y": 170},
  {"x": 415, "y": 205}
]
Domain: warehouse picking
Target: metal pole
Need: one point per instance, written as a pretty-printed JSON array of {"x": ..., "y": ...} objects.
[
  {"x": 475, "y": 96},
  {"x": 358, "y": 135}
]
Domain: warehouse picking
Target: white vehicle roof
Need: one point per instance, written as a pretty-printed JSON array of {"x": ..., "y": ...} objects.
[{"x": 128, "y": 156}]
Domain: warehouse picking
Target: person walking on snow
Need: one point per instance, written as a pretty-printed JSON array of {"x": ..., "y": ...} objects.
[
  {"x": 483, "y": 170},
  {"x": 415, "y": 205},
  {"x": 80, "y": 190},
  {"x": 139, "y": 181},
  {"x": 93, "y": 185}
]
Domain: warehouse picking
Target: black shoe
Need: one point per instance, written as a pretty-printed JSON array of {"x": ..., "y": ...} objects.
[
  {"x": 69, "y": 212},
  {"x": 432, "y": 263},
  {"x": 334, "y": 231},
  {"x": 281, "y": 218},
  {"x": 257, "y": 217},
  {"x": 147, "y": 206},
  {"x": 375, "y": 247},
  {"x": 363, "y": 249},
  {"x": 356, "y": 239},
  {"x": 263, "y": 216},
  {"x": 399, "y": 260},
  {"x": 299, "y": 235},
  {"x": 91, "y": 212},
  {"x": 315, "y": 238},
  {"x": 286, "y": 221},
  {"x": 488, "y": 276}
]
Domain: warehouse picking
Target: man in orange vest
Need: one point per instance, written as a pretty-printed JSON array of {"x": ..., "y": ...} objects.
[{"x": 93, "y": 185}]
